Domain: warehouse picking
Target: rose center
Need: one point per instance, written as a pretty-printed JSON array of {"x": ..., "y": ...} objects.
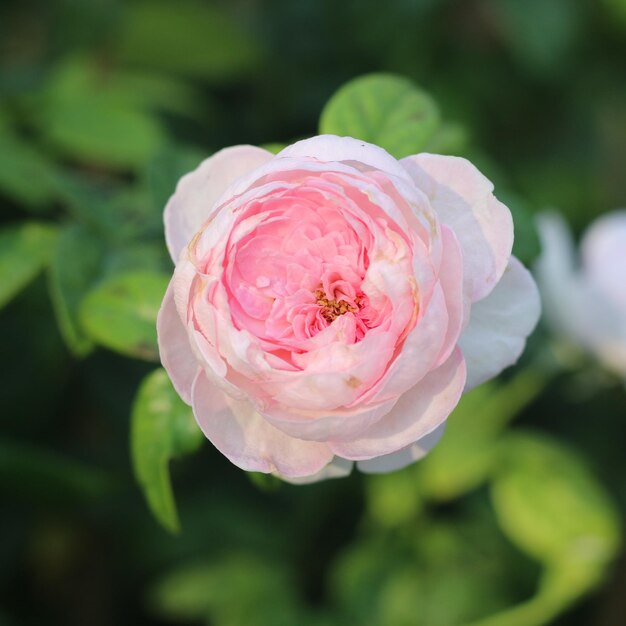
[{"x": 332, "y": 309}]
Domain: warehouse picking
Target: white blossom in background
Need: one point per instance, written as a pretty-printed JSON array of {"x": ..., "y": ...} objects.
[{"x": 584, "y": 292}]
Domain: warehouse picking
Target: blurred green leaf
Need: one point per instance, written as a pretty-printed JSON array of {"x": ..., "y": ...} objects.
[
  {"x": 24, "y": 251},
  {"x": 265, "y": 482},
  {"x": 445, "y": 595},
  {"x": 118, "y": 213},
  {"x": 74, "y": 269},
  {"x": 86, "y": 121},
  {"x": 540, "y": 610},
  {"x": 236, "y": 591},
  {"x": 425, "y": 573},
  {"x": 550, "y": 505},
  {"x": 357, "y": 576},
  {"x": 274, "y": 147},
  {"x": 120, "y": 313},
  {"x": 89, "y": 202},
  {"x": 385, "y": 110},
  {"x": 153, "y": 91},
  {"x": 188, "y": 38},
  {"x": 162, "y": 428},
  {"x": 95, "y": 132},
  {"x": 393, "y": 499},
  {"x": 617, "y": 8},
  {"x": 468, "y": 451},
  {"x": 166, "y": 168},
  {"x": 27, "y": 175},
  {"x": 449, "y": 138},
  {"x": 134, "y": 257},
  {"x": 468, "y": 568}
]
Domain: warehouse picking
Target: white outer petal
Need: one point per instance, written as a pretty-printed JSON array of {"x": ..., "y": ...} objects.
[
  {"x": 578, "y": 305},
  {"x": 175, "y": 349},
  {"x": 417, "y": 413},
  {"x": 560, "y": 287},
  {"x": 499, "y": 325},
  {"x": 197, "y": 192},
  {"x": 406, "y": 456},
  {"x": 333, "y": 149},
  {"x": 250, "y": 442},
  {"x": 337, "y": 468},
  {"x": 603, "y": 250},
  {"x": 463, "y": 199}
]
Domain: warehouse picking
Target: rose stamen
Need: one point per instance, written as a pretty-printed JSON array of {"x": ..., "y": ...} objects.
[{"x": 331, "y": 309}]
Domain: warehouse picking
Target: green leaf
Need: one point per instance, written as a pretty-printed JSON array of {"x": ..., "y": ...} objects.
[
  {"x": 449, "y": 138},
  {"x": 24, "y": 252},
  {"x": 265, "y": 482},
  {"x": 186, "y": 38},
  {"x": 85, "y": 120},
  {"x": 238, "y": 590},
  {"x": 274, "y": 147},
  {"x": 385, "y": 110},
  {"x": 75, "y": 267},
  {"x": 27, "y": 175},
  {"x": 152, "y": 91},
  {"x": 468, "y": 452},
  {"x": 120, "y": 313},
  {"x": 117, "y": 213},
  {"x": 89, "y": 202},
  {"x": 426, "y": 572},
  {"x": 148, "y": 256},
  {"x": 165, "y": 170},
  {"x": 393, "y": 499},
  {"x": 93, "y": 131},
  {"x": 162, "y": 428},
  {"x": 551, "y": 506}
]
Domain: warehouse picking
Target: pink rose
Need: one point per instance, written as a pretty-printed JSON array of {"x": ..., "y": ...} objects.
[
  {"x": 587, "y": 304},
  {"x": 330, "y": 304}
]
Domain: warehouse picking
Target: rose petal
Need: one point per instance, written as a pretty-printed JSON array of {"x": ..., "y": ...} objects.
[
  {"x": 416, "y": 414},
  {"x": 333, "y": 149},
  {"x": 402, "y": 458},
  {"x": 457, "y": 302},
  {"x": 603, "y": 251},
  {"x": 340, "y": 424},
  {"x": 500, "y": 324},
  {"x": 337, "y": 468},
  {"x": 250, "y": 442},
  {"x": 174, "y": 348},
  {"x": 197, "y": 192},
  {"x": 418, "y": 354},
  {"x": 586, "y": 307},
  {"x": 564, "y": 306},
  {"x": 462, "y": 198}
]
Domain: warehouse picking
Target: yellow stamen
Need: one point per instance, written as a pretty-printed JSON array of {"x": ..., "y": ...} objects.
[{"x": 332, "y": 309}]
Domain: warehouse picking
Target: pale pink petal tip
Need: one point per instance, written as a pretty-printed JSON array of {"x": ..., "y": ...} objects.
[
  {"x": 499, "y": 325},
  {"x": 197, "y": 192},
  {"x": 250, "y": 442}
]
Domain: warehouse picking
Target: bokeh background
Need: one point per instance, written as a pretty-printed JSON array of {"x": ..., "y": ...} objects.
[{"x": 515, "y": 521}]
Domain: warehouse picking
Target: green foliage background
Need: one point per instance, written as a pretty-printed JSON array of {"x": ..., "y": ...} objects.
[{"x": 114, "y": 510}]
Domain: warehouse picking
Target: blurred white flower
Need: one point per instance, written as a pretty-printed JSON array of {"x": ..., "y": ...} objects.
[{"x": 584, "y": 299}]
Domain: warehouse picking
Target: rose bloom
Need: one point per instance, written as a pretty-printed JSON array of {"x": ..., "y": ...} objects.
[
  {"x": 586, "y": 302},
  {"x": 330, "y": 304}
]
